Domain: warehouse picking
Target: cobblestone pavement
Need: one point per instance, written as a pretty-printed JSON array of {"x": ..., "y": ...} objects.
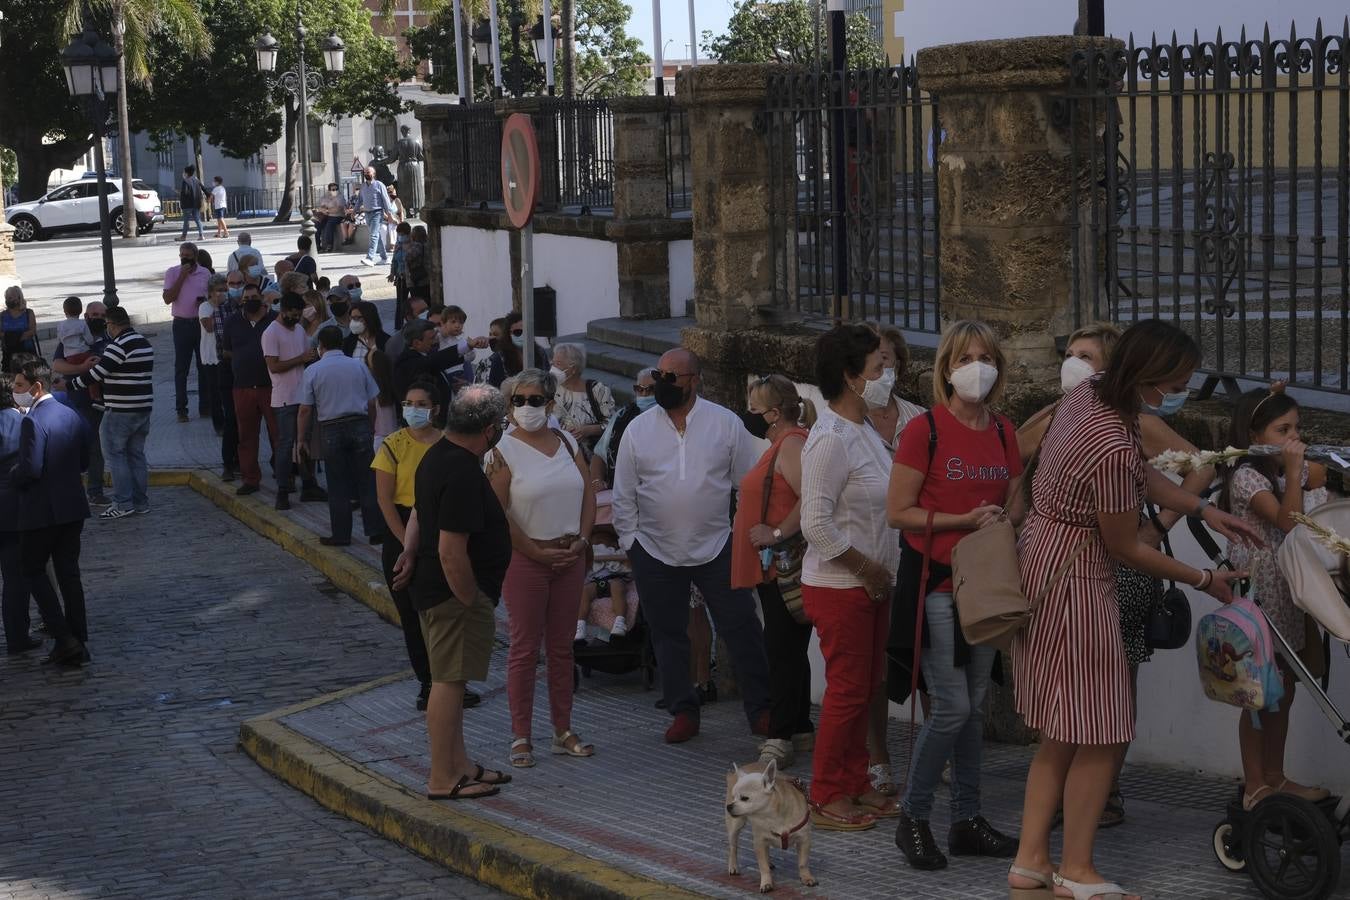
[
  {"x": 655, "y": 809},
  {"x": 123, "y": 778}
]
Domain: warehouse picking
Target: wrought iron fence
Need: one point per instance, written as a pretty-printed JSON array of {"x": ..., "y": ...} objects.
[
  {"x": 1214, "y": 192},
  {"x": 883, "y": 237},
  {"x": 475, "y": 155},
  {"x": 576, "y": 141}
]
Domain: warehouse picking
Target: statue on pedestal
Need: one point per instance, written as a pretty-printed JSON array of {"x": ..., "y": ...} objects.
[{"x": 410, "y": 164}]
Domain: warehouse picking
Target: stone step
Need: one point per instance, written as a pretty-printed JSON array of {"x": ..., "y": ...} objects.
[
  {"x": 612, "y": 358},
  {"x": 648, "y": 335}
]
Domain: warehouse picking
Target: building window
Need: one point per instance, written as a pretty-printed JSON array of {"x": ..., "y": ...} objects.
[
  {"x": 315, "y": 141},
  {"x": 386, "y": 133}
]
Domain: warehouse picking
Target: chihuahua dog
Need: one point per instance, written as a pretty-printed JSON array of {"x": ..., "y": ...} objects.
[{"x": 778, "y": 815}]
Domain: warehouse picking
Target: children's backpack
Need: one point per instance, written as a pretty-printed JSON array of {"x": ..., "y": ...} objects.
[{"x": 1236, "y": 654}]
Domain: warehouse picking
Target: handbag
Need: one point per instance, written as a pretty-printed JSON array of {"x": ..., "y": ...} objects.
[
  {"x": 1169, "y": 621},
  {"x": 787, "y": 556}
]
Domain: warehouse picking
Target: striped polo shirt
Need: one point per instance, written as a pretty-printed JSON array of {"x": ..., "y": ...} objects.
[{"x": 126, "y": 373}]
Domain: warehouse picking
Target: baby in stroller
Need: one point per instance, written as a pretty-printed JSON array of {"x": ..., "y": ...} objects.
[{"x": 608, "y": 596}]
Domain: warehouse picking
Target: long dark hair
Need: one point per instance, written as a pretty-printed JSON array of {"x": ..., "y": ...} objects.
[
  {"x": 435, "y": 389},
  {"x": 513, "y": 360},
  {"x": 1150, "y": 352},
  {"x": 1255, "y": 410},
  {"x": 371, "y": 313},
  {"x": 382, "y": 370}
]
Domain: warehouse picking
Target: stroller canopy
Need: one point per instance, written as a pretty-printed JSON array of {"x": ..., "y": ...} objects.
[{"x": 1318, "y": 577}]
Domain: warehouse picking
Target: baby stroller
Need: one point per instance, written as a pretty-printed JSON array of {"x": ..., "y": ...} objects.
[{"x": 1291, "y": 847}]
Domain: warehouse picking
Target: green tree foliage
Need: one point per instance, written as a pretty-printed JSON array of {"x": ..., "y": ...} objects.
[{"x": 786, "y": 31}]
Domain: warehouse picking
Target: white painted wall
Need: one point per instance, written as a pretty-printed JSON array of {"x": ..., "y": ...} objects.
[
  {"x": 477, "y": 271},
  {"x": 681, "y": 262},
  {"x": 584, "y": 272}
]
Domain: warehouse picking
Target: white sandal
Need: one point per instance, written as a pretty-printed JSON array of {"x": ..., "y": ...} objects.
[
  {"x": 560, "y": 747},
  {"x": 1043, "y": 890},
  {"x": 1104, "y": 891},
  {"x": 522, "y": 759}
]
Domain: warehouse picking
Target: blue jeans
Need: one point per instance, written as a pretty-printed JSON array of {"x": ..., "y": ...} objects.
[
  {"x": 192, "y": 215},
  {"x": 328, "y": 232},
  {"x": 955, "y": 729},
  {"x": 284, "y": 469},
  {"x": 375, "y": 222},
  {"x": 187, "y": 337},
  {"x": 347, "y": 452},
  {"x": 94, "y": 474},
  {"x": 123, "y": 435}
]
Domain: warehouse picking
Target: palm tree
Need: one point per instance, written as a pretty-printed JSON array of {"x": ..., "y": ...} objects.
[{"x": 134, "y": 21}]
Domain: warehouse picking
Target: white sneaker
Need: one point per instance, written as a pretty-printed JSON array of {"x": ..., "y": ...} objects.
[
  {"x": 366, "y": 261},
  {"x": 620, "y": 627},
  {"x": 113, "y": 512}
]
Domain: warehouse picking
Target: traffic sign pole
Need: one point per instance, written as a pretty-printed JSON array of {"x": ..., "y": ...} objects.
[
  {"x": 520, "y": 191},
  {"x": 527, "y": 292}
]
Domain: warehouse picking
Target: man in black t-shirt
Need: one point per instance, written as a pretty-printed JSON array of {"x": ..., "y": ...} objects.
[{"x": 458, "y": 545}]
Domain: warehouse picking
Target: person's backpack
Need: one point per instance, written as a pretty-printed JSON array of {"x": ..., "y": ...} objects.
[{"x": 1236, "y": 655}]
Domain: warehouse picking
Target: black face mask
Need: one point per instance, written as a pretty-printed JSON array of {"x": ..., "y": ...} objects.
[
  {"x": 252, "y": 305},
  {"x": 755, "y": 424},
  {"x": 338, "y": 308},
  {"x": 669, "y": 395},
  {"x": 492, "y": 344},
  {"x": 97, "y": 326}
]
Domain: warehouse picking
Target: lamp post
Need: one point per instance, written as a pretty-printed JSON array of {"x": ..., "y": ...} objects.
[
  {"x": 298, "y": 82},
  {"x": 91, "y": 76}
]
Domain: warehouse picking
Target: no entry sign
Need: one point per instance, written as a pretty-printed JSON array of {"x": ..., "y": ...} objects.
[{"x": 520, "y": 169}]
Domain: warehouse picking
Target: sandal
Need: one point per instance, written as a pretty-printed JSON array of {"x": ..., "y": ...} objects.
[
  {"x": 1249, "y": 801},
  {"x": 482, "y": 775},
  {"x": 560, "y": 747},
  {"x": 459, "y": 791},
  {"x": 1304, "y": 792},
  {"x": 888, "y": 810},
  {"x": 879, "y": 774},
  {"x": 1044, "y": 880},
  {"x": 1103, "y": 891},
  {"x": 522, "y": 759},
  {"x": 1113, "y": 813},
  {"x": 825, "y": 820}
]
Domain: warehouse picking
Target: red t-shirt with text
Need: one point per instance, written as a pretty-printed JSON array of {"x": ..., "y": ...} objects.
[{"x": 970, "y": 468}]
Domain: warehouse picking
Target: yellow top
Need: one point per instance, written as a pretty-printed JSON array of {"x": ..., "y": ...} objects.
[{"x": 400, "y": 455}]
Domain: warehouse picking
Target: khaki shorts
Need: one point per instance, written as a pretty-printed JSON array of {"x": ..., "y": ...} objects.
[{"x": 459, "y": 639}]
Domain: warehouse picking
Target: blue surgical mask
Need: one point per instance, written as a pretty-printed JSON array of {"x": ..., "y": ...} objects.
[
  {"x": 354, "y": 294},
  {"x": 645, "y": 403},
  {"x": 256, "y": 271},
  {"x": 1171, "y": 404},
  {"x": 518, "y": 340},
  {"x": 234, "y": 293},
  {"x": 416, "y": 417}
]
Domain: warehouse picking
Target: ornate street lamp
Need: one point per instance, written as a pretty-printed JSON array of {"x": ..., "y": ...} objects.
[
  {"x": 299, "y": 82},
  {"x": 482, "y": 42},
  {"x": 90, "y": 64}
]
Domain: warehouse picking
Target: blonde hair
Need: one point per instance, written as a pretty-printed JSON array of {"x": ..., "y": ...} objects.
[
  {"x": 955, "y": 340},
  {"x": 315, "y": 299},
  {"x": 778, "y": 392},
  {"x": 1103, "y": 333}
]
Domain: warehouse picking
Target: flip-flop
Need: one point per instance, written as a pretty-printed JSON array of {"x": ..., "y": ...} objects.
[
  {"x": 497, "y": 777},
  {"x": 457, "y": 792},
  {"x": 1311, "y": 794},
  {"x": 831, "y": 821},
  {"x": 1249, "y": 801}
]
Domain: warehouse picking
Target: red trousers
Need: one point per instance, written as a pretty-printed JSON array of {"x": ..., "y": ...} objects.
[
  {"x": 541, "y": 606},
  {"x": 252, "y": 407},
  {"x": 853, "y": 632}
]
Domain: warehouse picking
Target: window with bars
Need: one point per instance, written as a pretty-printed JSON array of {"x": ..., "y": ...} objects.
[
  {"x": 386, "y": 133},
  {"x": 315, "y": 139}
]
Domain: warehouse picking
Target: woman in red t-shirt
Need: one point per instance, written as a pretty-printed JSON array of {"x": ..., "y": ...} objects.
[
  {"x": 775, "y": 413},
  {"x": 959, "y": 464}
]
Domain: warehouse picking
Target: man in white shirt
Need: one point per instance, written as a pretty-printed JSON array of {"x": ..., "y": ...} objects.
[
  {"x": 676, "y": 469},
  {"x": 218, "y": 208},
  {"x": 286, "y": 350}
]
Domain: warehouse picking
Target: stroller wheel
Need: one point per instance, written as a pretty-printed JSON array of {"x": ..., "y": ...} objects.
[
  {"x": 1229, "y": 855},
  {"x": 1292, "y": 850}
]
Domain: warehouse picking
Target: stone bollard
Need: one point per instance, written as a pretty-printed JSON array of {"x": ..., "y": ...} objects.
[
  {"x": 640, "y": 160},
  {"x": 1005, "y": 183}
]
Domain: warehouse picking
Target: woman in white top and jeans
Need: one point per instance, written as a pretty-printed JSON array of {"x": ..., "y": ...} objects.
[
  {"x": 540, "y": 476},
  {"x": 846, "y": 574}
]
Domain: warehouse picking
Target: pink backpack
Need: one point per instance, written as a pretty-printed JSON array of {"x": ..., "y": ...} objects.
[{"x": 1236, "y": 654}]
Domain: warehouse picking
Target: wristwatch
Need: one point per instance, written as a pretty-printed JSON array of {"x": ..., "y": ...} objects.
[
  {"x": 778, "y": 534},
  {"x": 1200, "y": 510}
]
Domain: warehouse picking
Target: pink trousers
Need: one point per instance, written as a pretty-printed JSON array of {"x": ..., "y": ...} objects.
[{"x": 541, "y": 607}]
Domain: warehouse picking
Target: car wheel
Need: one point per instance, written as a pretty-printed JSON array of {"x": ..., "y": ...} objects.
[
  {"x": 118, "y": 224},
  {"x": 26, "y": 229}
]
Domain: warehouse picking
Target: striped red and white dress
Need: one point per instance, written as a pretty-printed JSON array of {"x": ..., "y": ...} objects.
[{"x": 1072, "y": 681}]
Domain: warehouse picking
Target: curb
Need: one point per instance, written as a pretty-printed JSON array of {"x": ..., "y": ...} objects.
[{"x": 519, "y": 864}]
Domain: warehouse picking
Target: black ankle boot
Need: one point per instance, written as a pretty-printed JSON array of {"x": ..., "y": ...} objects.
[
  {"x": 915, "y": 840},
  {"x": 976, "y": 837}
]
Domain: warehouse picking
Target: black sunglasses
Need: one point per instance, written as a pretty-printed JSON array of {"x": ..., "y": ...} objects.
[
  {"x": 535, "y": 400},
  {"x": 670, "y": 377},
  {"x": 517, "y": 333}
]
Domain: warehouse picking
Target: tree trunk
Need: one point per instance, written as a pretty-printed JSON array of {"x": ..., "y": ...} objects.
[
  {"x": 467, "y": 43},
  {"x": 292, "y": 140},
  {"x": 130, "y": 222},
  {"x": 569, "y": 49},
  {"x": 37, "y": 160}
]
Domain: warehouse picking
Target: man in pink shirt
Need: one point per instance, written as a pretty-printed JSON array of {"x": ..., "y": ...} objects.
[
  {"x": 286, "y": 349},
  {"x": 185, "y": 291}
]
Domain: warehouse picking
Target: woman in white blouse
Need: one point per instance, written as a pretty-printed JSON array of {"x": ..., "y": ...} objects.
[
  {"x": 846, "y": 575},
  {"x": 583, "y": 406},
  {"x": 540, "y": 476}
]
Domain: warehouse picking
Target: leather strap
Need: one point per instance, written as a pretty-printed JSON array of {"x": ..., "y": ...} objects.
[{"x": 918, "y": 635}]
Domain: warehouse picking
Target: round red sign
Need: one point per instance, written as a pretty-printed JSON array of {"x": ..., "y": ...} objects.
[
  {"x": 270, "y": 168},
  {"x": 520, "y": 169}
]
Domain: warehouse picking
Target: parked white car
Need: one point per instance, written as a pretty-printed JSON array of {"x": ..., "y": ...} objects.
[{"x": 74, "y": 206}]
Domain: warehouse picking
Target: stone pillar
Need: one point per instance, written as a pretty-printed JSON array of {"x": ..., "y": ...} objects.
[
  {"x": 733, "y": 249},
  {"x": 435, "y": 120},
  {"x": 1005, "y": 188},
  {"x": 640, "y": 158}
]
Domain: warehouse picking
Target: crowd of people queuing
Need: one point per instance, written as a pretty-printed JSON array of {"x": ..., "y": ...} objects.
[{"x": 486, "y": 479}]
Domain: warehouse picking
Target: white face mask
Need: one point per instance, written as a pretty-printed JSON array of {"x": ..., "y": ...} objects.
[
  {"x": 23, "y": 400},
  {"x": 558, "y": 374},
  {"x": 973, "y": 381},
  {"x": 532, "y": 418},
  {"x": 357, "y": 326},
  {"x": 1074, "y": 372},
  {"x": 877, "y": 394}
]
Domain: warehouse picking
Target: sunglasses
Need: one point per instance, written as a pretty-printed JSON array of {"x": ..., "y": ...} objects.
[
  {"x": 643, "y": 391},
  {"x": 670, "y": 377},
  {"x": 535, "y": 400},
  {"x": 517, "y": 334}
]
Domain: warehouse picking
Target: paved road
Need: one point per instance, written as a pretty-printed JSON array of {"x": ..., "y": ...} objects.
[{"x": 123, "y": 779}]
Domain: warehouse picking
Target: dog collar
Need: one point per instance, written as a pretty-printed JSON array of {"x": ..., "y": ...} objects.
[{"x": 786, "y": 835}]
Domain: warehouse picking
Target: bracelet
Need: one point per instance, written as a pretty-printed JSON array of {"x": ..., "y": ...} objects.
[
  {"x": 1200, "y": 510},
  {"x": 1206, "y": 579},
  {"x": 861, "y": 568},
  {"x": 778, "y": 534}
]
